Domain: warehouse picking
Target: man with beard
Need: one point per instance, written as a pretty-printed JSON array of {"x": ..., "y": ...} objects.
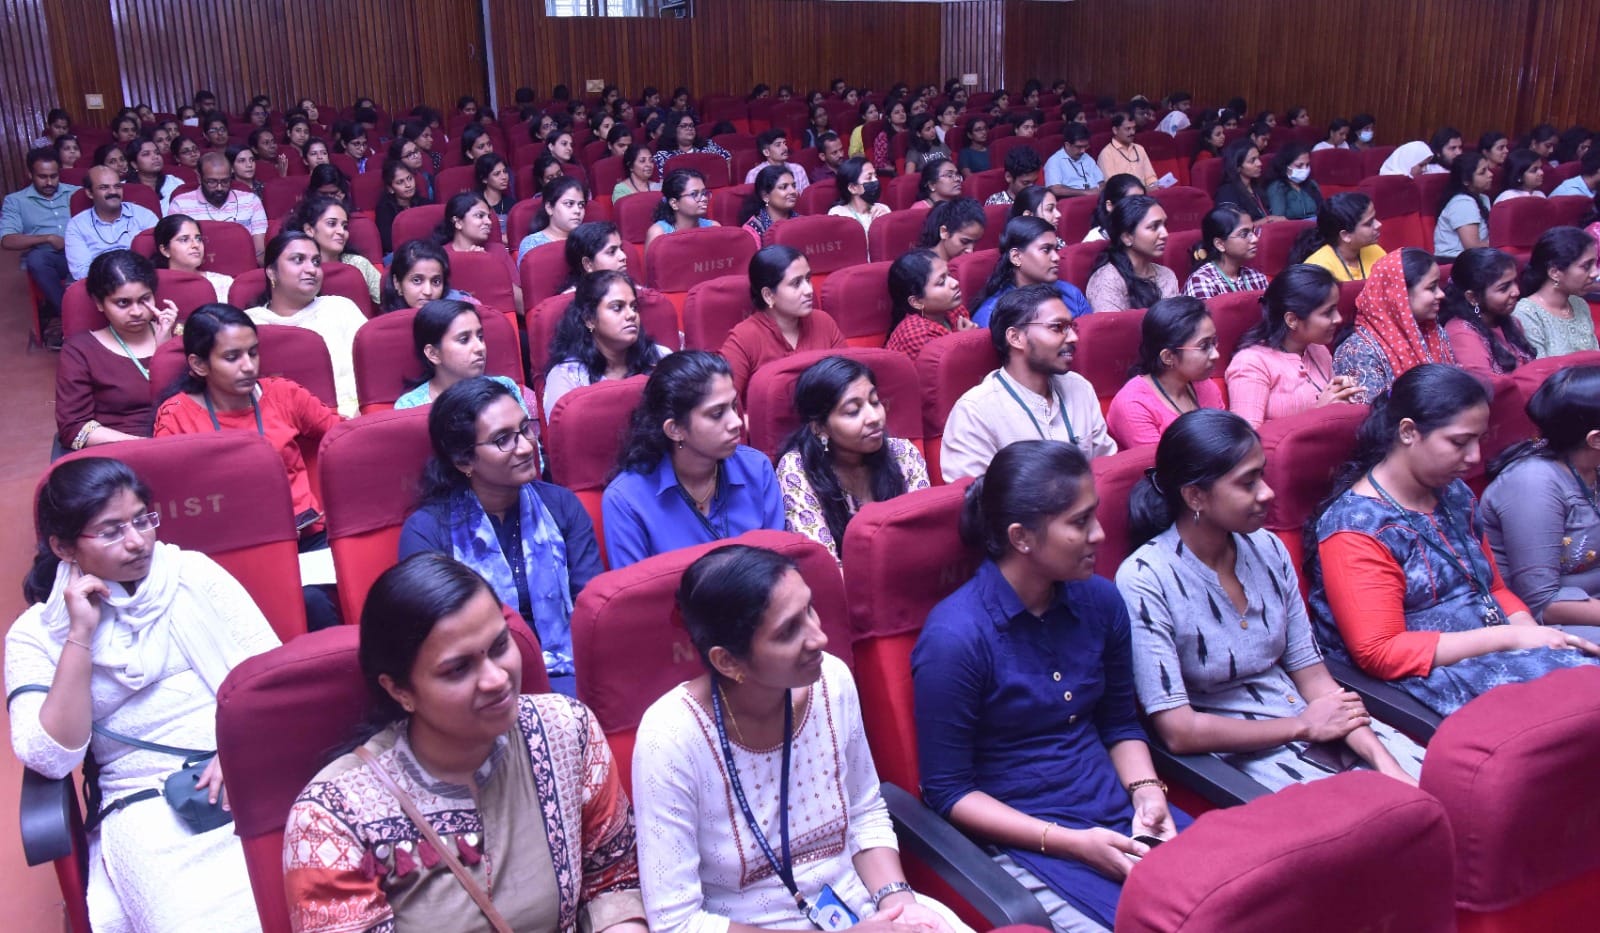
[
  {"x": 1033, "y": 395},
  {"x": 110, "y": 224},
  {"x": 832, "y": 151},
  {"x": 34, "y": 222},
  {"x": 217, "y": 200}
]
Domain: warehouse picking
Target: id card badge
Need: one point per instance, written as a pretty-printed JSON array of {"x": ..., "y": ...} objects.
[{"x": 830, "y": 913}]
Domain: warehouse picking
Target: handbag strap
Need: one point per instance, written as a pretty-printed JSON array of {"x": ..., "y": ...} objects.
[
  {"x": 478, "y": 894},
  {"x": 185, "y": 753}
]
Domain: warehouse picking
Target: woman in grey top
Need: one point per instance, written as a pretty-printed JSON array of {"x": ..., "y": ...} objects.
[
  {"x": 1224, "y": 661},
  {"x": 1542, "y": 512},
  {"x": 1553, "y": 313}
]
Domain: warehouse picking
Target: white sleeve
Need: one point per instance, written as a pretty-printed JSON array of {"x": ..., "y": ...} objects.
[
  {"x": 870, "y": 825},
  {"x": 31, "y": 658}
]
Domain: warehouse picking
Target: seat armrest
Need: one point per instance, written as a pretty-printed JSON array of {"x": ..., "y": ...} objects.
[
  {"x": 1387, "y": 703},
  {"x": 48, "y": 817},
  {"x": 1220, "y": 783},
  {"x": 962, "y": 863}
]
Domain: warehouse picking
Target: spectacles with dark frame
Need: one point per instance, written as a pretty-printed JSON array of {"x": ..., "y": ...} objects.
[
  {"x": 1059, "y": 328},
  {"x": 506, "y": 441},
  {"x": 143, "y": 524},
  {"x": 1204, "y": 346}
]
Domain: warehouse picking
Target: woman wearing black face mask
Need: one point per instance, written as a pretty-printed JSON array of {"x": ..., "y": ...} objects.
[{"x": 858, "y": 193}]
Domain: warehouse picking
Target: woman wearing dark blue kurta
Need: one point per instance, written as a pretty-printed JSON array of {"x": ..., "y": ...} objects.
[{"x": 1027, "y": 726}]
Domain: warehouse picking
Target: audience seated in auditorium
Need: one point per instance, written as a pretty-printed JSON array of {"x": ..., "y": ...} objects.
[
  {"x": 1054, "y": 770},
  {"x": 1524, "y": 176},
  {"x": 841, "y": 457},
  {"x": 1034, "y": 393},
  {"x": 562, "y": 207},
  {"x": 554, "y": 805},
  {"x": 181, "y": 246},
  {"x": 1396, "y": 325},
  {"x": 484, "y": 505},
  {"x": 974, "y": 156},
  {"x": 327, "y": 222},
  {"x": 1124, "y": 156},
  {"x": 771, "y": 202},
  {"x": 1129, "y": 273},
  {"x": 1021, "y": 171},
  {"x": 1338, "y": 136},
  {"x": 1553, "y": 313},
  {"x": 491, "y": 176},
  {"x": 1540, "y": 511},
  {"x": 684, "y": 200},
  {"x": 600, "y": 336},
  {"x": 468, "y": 227},
  {"x": 293, "y": 297},
  {"x": 681, "y": 137},
  {"x": 1029, "y": 254},
  {"x": 1228, "y": 240},
  {"x": 1244, "y": 181},
  {"x": 859, "y": 191},
  {"x": 109, "y": 223},
  {"x": 1177, "y": 357},
  {"x": 595, "y": 246},
  {"x": 419, "y": 273},
  {"x": 682, "y": 477},
  {"x": 1345, "y": 238},
  {"x": 640, "y": 171},
  {"x": 953, "y": 228},
  {"x": 103, "y": 377},
  {"x": 1464, "y": 211},
  {"x": 895, "y": 118},
  {"x": 148, "y": 168},
  {"x": 1293, "y": 193},
  {"x": 1402, "y": 581},
  {"x": 1257, "y": 696},
  {"x": 34, "y": 222},
  {"x": 448, "y": 338},
  {"x": 216, "y": 199},
  {"x": 769, "y": 685},
  {"x": 774, "y": 147},
  {"x": 400, "y": 192},
  {"x": 925, "y": 300},
  {"x": 128, "y": 639},
  {"x": 925, "y": 145},
  {"x": 1070, "y": 172},
  {"x": 784, "y": 320},
  {"x": 1037, "y": 201},
  {"x": 1116, "y": 188},
  {"x": 941, "y": 181},
  {"x": 1283, "y": 366},
  {"x": 1585, "y": 184},
  {"x": 1477, "y": 313}
]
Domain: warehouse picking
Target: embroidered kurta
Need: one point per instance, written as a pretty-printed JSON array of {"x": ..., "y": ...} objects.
[{"x": 802, "y": 509}]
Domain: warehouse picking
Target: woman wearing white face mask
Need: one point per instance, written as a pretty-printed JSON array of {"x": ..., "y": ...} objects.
[
  {"x": 1292, "y": 194},
  {"x": 1363, "y": 129}
]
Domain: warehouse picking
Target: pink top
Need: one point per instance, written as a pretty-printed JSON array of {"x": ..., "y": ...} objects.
[
  {"x": 1264, "y": 383},
  {"x": 1594, "y": 231},
  {"x": 1138, "y": 414}
]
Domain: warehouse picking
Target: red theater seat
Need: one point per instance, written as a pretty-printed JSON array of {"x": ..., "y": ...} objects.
[
  {"x": 485, "y": 276},
  {"x": 316, "y": 684},
  {"x": 709, "y": 164},
  {"x": 1179, "y": 254},
  {"x": 1186, "y": 207},
  {"x": 972, "y": 270},
  {"x": 772, "y": 387},
  {"x": 1398, "y": 207},
  {"x": 676, "y": 263},
  {"x": 712, "y": 309},
  {"x": 454, "y": 180},
  {"x": 584, "y": 437},
  {"x": 1336, "y": 170},
  {"x": 230, "y": 249},
  {"x": 1372, "y": 159},
  {"x": 1508, "y": 419},
  {"x": 1207, "y": 176},
  {"x": 416, "y": 223},
  {"x": 1517, "y": 224},
  {"x": 1496, "y": 765},
  {"x": 386, "y": 358},
  {"x": 1077, "y": 262},
  {"x": 634, "y": 215},
  {"x": 947, "y": 367},
  {"x": 280, "y": 195},
  {"x": 1108, "y": 346},
  {"x": 980, "y": 185},
  {"x": 1277, "y": 241},
  {"x": 818, "y": 197},
  {"x": 896, "y": 233},
  {"x": 629, "y": 652},
  {"x": 1233, "y": 313},
  {"x": 1569, "y": 211},
  {"x": 1114, "y": 479},
  {"x": 371, "y": 477},
  {"x": 337, "y": 279},
  {"x": 1077, "y": 218},
  {"x": 900, "y": 192},
  {"x": 542, "y": 271},
  {"x": 857, "y": 297},
  {"x": 1303, "y": 453},
  {"x": 829, "y": 244},
  {"x": 1294, "y": 860},
  {"x": 290, "y": 352}
]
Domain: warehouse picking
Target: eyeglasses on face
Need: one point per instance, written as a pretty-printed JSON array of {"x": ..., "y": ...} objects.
[
  {"x": 506, "y": 441},
  {"x": 143, "y": 524},
  {"x": 1204, "y": 346},
  {"x": 1059, "y": 328}
]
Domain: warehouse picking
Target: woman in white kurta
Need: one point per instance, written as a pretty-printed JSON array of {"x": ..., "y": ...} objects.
[
  {"x": 134, "y": 636},
  {"x": 701, "y": 867}
]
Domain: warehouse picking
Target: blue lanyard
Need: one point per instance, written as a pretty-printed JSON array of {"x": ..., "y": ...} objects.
[
  {"x": 1482, "y": 583},
  {"x": 784, "y": 869}
]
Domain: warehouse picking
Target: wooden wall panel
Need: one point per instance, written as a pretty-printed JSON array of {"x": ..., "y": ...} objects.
[
  {"x": 27, "y": 85},
  {"x": 727, "y": 47},
  {"x": 973, "y": 41},
  {"x": 1475, "y": 64}
]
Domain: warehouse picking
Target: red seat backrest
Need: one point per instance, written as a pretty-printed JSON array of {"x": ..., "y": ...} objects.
[
  {"x": 1179, "y": 254},
  {"x": 1114, "y": 479},
  {"x": 1077, "y": 218},
  {"x": 1569, "y": 210},
  {"x": 606, "y": 172},
  {"x": 947, "y": 367},
  {"x": 726, "y": 204},
  {"x": 1277, "y": 241},
  {"x": 980, "y": 185},
  {"x": 1517, "y": 223},
  {"x": 485, "y": 276},
  {"x": 237, "y": 511},
  {"x": 1327, "y": 838},
  {"x": 280, "y": 195},
  {"x": 230, "y": 249},
  {"x": 370, "y": 471},
  {"x": 1304, "y": 453},
  {"x": 972, "y": 270},
  {"x": 416, "y": 223},
  {"x": 1508, "y": 420},
  {"x": 772, "y": 389},
  {"x": 366, "y": 189},
  {"x": 519, "y": 222},
  {"x": 1108, "y": 346},
  {"x": 678, "y": 262},
  {"x": 1336, "y": 169},
  {"x": 829, "y": 243},
  {"x": 1555, "y": 175},
  {"x": 315, "y": 683},
  {"x": 857, "y": 298},
  {"x": 452, "y": 181},
  {"x": 1077, "y": 262},
  {"x": 896, "y": 233},
  {"x": 187, "y": 290},
  {"x": 1372, "y": 159},
  {"x": 1398, "y": 206},
  {"x": 709, "y": 164},
  {"x": 1430, "y": 190},
  {"x": 584, "y": 436},
  {"x": 901, "y": 191},
  {"x": 1186, "y": 207},
  {"x": 889, "y": 606},
  {"x": 337, "y": 279},
  {"x": 628, "y": 651},
  {"x": 634, "y": 213},
  {"x": 543, "y": 270},
  {"x": 365, "y": 240},
  {"x": 1233, "y": 313},
  {"x": 818, "y": 197},
  {"x": 293, "y": 353},
  {"x": 1207, "y": 176},
  {"x": 712, "y": 309},
  {"x": 386, "y": 359}
]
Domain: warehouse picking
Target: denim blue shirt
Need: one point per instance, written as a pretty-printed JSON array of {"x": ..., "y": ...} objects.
[
  {"x": 648, "y": 513},
  {"x": 29, "y": 213},
  {"x": 88, "y": 236},
  {"x": 1075, "y": 300}
]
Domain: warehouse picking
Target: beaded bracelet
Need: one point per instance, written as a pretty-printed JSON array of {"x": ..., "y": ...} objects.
[{"x": 1147, "y": 782}]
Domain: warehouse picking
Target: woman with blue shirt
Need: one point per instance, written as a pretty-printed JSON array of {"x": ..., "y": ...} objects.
[
  {"x": 484, "y": 505},
  {"x": 1027, "y": 726},
  {"x": 683, "y": 477},
  {"x": 1030, "y": 254}
]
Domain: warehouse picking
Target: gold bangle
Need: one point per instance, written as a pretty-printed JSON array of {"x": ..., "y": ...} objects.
[
  {"x": 1047, "y": 827},
  {"x": 74, "y": 641},
  {"x": 82, "y": 438}
]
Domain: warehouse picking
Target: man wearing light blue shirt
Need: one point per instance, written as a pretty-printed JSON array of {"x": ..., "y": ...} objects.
[
  {"x": 110, "y": 224},
  {"x": 34, "y": 222},
  {"x": 1587, "y": 181},
  {"x": 1070, "y": 173}
]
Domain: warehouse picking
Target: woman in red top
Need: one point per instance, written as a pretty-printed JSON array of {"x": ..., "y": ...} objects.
[
  {"x": 223, "y": 391},
  {"x": 784, "y": 321}
]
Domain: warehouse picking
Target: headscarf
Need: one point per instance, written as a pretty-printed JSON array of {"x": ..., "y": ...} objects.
[
  {"x": 1383, "y": 311},
  {"x": 1405, "y": 158}
]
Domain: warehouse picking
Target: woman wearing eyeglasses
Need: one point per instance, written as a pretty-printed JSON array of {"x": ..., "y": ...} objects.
[
  {"x": 682, "y": 137},
  {"x": 1177, "y": 355},
  {"x": 131, "y": 636},
  {"x": 484, "y": 505}
]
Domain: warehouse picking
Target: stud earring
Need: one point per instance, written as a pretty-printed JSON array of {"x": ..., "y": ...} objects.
[
  {"x": 824, "y": 439},
  {"x": 680, "y": 445}
]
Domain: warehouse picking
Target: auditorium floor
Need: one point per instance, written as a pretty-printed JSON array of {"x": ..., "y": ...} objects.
[{"x": 27, "y": 417}]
